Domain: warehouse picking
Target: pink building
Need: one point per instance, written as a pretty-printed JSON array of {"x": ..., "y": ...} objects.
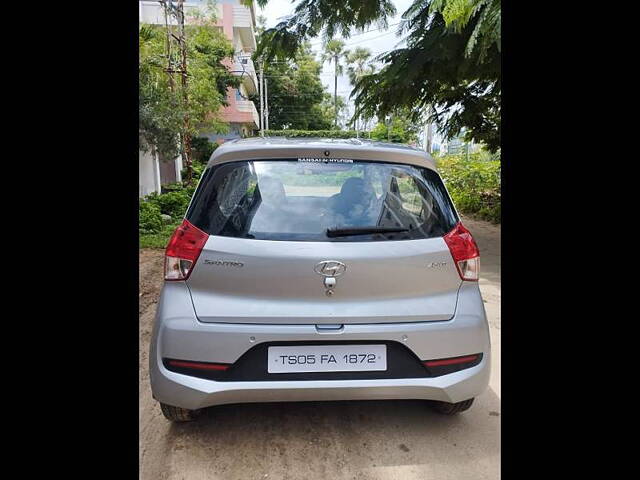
[{"x": 238, "y": 24}]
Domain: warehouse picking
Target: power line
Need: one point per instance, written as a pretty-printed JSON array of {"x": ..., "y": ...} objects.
[
  {"x": 305, "y": 94},
  {"x": 349, "y": 44},
  {"x": 320, "y": 42},
  {"x": 301, "y": 113},
  {"x": 362, "y": 33},
  {"x": 288, "y": 75},
  {"x": 313, "y": 67},
  {"x": 368, "y": 39}
]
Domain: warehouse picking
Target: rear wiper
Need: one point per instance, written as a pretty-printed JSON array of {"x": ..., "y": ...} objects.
[{"x": 345, "y": 232}]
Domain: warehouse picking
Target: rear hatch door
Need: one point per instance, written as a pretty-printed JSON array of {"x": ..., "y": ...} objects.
[
  {"x": 275, "y": 282},
  {"x": 268, "y": 224}
]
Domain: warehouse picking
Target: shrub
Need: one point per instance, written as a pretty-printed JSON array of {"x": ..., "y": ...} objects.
[
  {"x": 474, "y": 184},
  {"x": 315, "y": 133},
  {"x": 172, "y": 187},
  {"x": 197, "y": 169},
  {"x": 173, "y": 203},
  {"x": 149, "y": 220},
  {"x": 154, "y": 232},
  {"x": 398, "y": 134},
  {"x": 159, "y": 239}
]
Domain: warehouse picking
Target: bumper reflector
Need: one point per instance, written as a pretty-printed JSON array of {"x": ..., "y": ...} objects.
[
  {"x": 450, "y": 361},
  {"x": 198, "y": 365}
]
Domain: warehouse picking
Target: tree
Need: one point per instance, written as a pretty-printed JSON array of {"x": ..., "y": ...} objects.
[
  {"x": 458, "y": 13},
  {"x": 159, "y": 112},
  {"x": 173, "y": 109},
  {"x": 334, "y": 51},
  {"x": 450, "y": 67},
  {"x": 459, "y": 88},
  {"x": 296, "y": 93},
  {"x": 400, "y": 129},
  {"x": 358, "y": 65},
  {"x": 335, "y": 110}
]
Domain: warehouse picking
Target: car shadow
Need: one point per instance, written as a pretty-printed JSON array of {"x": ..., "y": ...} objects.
[{"x": 348, "y": 436}]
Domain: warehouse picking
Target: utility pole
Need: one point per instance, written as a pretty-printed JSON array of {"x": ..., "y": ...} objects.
[
  {"x": 335, "y": 92},
  {"x": 428, "y": 131},
  {"x": 266, "y": 103},
  {"x": 424, "y": 137},
  {"x": 178, "y": 13},
  {"x": 261, "y": 98},
  {"x": 388, "y": 128},
  {"x": 428, "y": 137},
  {"x": 355, "y": 109},
  {"x": 169, "y": 69},
  {"x": 186, "y": 136}
]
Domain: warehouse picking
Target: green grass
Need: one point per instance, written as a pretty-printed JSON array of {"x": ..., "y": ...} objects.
[{"x": 157, "y": 240}]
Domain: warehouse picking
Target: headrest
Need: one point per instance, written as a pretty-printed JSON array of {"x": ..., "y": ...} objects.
[{"x": 356, "y": 190}]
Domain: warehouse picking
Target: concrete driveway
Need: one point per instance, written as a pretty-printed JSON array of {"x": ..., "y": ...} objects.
[{"x": 333, "y": 440}]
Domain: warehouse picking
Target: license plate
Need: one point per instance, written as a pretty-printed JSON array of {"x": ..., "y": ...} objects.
[{"x": 327, "y": 358}]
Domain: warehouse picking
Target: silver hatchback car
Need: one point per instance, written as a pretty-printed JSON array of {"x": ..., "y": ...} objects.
[{"x": 319, "y": 270}]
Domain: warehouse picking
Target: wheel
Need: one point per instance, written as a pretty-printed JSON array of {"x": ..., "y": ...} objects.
[
  {"x": 177, "y": 414},
  {"x": 446, "y": 408}
]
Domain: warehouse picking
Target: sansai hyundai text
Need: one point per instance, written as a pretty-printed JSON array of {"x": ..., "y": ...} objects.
[{"x": 319, "y": 270}]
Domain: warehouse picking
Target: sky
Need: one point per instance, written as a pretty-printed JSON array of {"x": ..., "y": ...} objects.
[{"x": 378, "y": 41}]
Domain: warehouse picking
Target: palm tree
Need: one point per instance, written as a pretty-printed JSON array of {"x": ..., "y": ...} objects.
[
  {"x": 357, "y": 63},
  {"x": 358, "y": 66},
  {"x": 334, "y": 50}
]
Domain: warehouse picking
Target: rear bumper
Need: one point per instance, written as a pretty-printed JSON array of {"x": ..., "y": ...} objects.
[
  {"x": 193, "y": 393},
  {"x": 178, "y": 334}
]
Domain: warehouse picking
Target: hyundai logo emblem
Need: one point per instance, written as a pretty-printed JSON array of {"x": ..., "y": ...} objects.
[{"x": 330, "y": 268}]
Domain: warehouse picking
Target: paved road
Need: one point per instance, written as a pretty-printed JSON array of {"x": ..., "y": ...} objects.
[{"x": 333, "y": 440}]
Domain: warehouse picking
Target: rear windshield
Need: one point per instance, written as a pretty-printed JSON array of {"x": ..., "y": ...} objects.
[{"x": 299, "y": 200}]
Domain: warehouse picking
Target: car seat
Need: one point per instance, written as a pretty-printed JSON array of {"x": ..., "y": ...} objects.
[{"x": 354, "y": 201}]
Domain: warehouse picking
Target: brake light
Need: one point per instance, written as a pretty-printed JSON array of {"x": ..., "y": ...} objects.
[
  {"x": 464, "y": 251},
  {"x": 183, "y": 250}
]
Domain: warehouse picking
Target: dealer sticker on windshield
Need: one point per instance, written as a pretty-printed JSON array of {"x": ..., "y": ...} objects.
[
  {"x": 325, "y": 160},
  {"x": 326, "y": 358}
]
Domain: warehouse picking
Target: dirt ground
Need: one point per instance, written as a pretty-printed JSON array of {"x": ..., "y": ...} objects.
[{"x": 401, "y": 440}]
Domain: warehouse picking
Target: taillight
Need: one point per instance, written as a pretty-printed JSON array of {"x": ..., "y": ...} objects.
[
  {"x": 464, "y": 251},
  {"x": 183, "y": 250}
]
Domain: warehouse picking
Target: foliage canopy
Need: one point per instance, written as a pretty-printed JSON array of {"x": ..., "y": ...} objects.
[
  {"x": 449, "y": 69},
  {"x": 163, "y": 101},
  {"x": 296, "y": 94}
]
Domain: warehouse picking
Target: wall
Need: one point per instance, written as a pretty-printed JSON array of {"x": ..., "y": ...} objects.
[
  {"x": 168, "y": 172},
  {"x": 147, "y": 174}
]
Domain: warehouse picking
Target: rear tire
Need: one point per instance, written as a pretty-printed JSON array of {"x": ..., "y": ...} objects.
[
  {"x": 177, "y": 414},
  {"x": 446, "y": 408}
]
